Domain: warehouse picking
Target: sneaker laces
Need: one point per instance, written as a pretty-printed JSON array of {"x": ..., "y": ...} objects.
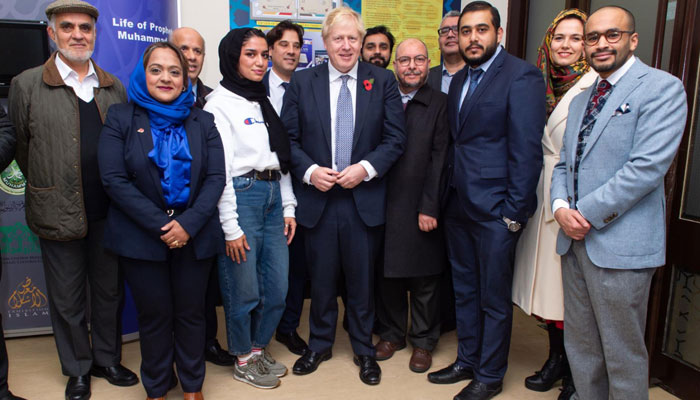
[
  {"x": 267, "y": 357},
  {"x": 258, "y": 366}
]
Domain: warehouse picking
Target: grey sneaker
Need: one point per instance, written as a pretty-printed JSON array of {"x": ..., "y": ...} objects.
[
  {"x": 275, "y": 367},
  {"x": 256, "y": 373}
]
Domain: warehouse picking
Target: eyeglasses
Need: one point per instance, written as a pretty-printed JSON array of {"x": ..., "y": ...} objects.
[
  {"x": 406, "y": 61},
  {"x": 446, "y": 29},
  {"x": 611, "y": 36}
]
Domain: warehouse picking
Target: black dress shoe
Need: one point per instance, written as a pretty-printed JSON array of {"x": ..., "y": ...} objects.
[
  {"x": 552, "y": 371},
  {"x": 370, "y": 373},
  {"x": 308, "y": 363},
  {"x": 216, "y": 355},
  {"x": 476, "y": 390},
  {"x": 293, "y": 341},
  {"x": 10, "y": 396},
  {"x": 78, "y": 388},
  {"x": 453, "y": 373},
  {"x": 117, "y": 375}
]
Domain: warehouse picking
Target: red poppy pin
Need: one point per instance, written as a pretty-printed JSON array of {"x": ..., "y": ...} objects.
[{"x": 368, "y": 84}]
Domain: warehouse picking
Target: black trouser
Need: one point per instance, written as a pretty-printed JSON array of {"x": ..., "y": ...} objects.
[
  {"x": 341, "y": 244},
  {"x": 425, "y": 310},
  {"x": 297, "y": 280},
  {"x": 170, "y": 297},
  {"x": 213, "y": 299},
  {"x": 4, "y": 391},
  {"x": 68, "y": 267}
]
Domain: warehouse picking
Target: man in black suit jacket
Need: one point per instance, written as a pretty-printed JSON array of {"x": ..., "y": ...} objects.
[
  {"x": 191, "y": 43},
  {"x": 440, "y": 76},
  {"x": 8, "y": 141},
  {"x": 496, "y": 113},
  {"x": 346, "y": 125}
]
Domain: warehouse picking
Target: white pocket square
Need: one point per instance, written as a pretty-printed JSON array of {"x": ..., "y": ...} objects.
[{"x": 623, "y": 109}]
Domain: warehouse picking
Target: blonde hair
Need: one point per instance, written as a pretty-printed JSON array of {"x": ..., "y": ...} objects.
[{"x": 339, "y": 14}]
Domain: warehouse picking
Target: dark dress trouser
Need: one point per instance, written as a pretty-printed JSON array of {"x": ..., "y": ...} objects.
[
  {"x": 481, "y": 254},
  {"x": 4, "y": 390},
  {"x": 297, "y": 281},
  {"x": 68, "y": 267},
  {"x": 213, "y": 299},
  {"x": 170, "y": 297},
  {"x": 341, "y": 244}
]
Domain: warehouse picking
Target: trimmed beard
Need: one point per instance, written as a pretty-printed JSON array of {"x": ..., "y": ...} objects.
[
  {"x": 488, "y": 53},
  {"x": 71, "y": 55},
  {"x": 416, "y": 85}
]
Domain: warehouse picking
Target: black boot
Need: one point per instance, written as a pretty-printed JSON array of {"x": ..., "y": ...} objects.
[
  {"x": 567, "y": 389},
  {"x": 556, "y": 366}
]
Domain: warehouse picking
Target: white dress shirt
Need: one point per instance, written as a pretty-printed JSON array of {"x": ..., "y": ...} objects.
[
  {"x": 276, "y": 91},
  {"x": 484, "y": 67},
  {"x": 406, "y": 97},
  {"x": 335, "y": 82},
  {"x": 85, "y": 89},
  {"x": 612, "y": 79}
]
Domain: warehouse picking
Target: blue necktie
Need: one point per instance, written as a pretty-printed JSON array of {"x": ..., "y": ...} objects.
[
  {"x": 343, "y": 126},
  {"x": 474, "y": 75},
  {"x": 285, "y": 85}
]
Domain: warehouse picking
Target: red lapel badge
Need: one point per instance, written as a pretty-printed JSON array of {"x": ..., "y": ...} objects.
[{"x": 368, "y": 84}]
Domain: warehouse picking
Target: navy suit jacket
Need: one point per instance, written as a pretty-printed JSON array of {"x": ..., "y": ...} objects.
[
  {"x": 496, "y": 155},
  {"x": 266, "y": 81},
  {"x": 379, "y": 137},
  {"x": 132, "y": 181}
]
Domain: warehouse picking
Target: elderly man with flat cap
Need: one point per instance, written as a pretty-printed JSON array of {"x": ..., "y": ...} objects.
[{"x": 58, "y": 110}]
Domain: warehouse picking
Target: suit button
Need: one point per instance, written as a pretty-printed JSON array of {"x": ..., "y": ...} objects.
[{"x": 568, "y": 199}]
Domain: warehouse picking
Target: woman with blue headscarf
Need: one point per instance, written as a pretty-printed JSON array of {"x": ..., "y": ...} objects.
[{"x": 162, "y": 164}]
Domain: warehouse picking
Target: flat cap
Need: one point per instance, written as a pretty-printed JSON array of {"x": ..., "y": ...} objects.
[{"x": 71, "y": 6}]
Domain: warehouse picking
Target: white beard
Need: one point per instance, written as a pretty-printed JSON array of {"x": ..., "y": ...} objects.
[{"x": 75, "y": 56}]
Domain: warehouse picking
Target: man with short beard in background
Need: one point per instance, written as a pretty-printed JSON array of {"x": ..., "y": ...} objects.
[
  {"x": 58, "y": 110},
  {"x": 377, "y": 46}
]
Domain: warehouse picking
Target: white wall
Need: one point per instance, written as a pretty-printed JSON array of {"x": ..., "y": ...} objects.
[{"x": 211, "y": 19}]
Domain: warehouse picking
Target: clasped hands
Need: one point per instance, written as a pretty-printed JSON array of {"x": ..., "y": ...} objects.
[
  {"x": 324, "y": 178},
  {"x": 572, "y": 222},
  {"x": 175, "y": 235}
]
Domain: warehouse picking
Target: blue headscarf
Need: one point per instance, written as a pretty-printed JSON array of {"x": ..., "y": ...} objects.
[{"x": 171, "y": 151}]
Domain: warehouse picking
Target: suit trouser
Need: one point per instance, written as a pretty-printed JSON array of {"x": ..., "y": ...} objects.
[
  {"x": 481, "y": 254},
  {"x": 213, "y": 299},
  {"x": 425, "y": 310},
  {"x": 341, "y": 244},
  {"x": 297, "y": 281},
  {"x": 4, "y": 391},
  {"x": 170, "y": 297},
  {"x": 68, "y": 267},
  {"x": 605, "y": 316}
]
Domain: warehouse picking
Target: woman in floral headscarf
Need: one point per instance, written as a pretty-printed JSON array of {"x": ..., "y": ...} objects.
[{"x": 537, "y": 285}]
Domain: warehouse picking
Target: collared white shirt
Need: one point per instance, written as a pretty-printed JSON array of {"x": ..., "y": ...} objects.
[
  {"x": 85, "y": 90},
  {"x": 484, "y": 67},
  {"x": 276, "y": 91},
  {"x": 335, "y": 82},
  {"x": 194, "y": 91},
  {"x": 406, "y": 97},
  {"x": 612, "y": 79}
]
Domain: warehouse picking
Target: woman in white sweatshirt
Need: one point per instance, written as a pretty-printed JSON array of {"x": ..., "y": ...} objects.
[{"x": 256, "y": 208}]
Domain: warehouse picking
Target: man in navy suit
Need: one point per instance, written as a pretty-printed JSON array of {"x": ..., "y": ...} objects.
[
  {"x": 346, "y": 124},
  {"x": 496, "y": 112}
]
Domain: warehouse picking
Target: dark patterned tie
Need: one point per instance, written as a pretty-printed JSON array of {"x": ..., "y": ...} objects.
[
  {"x": 474, "y": 75},
  {"x": 343, "y": 126},
  {"x": 596, "y": 104},
  {"x": 285, "y": 85}
]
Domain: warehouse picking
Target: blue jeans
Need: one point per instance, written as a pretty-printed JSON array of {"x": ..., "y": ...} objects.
[{"x": 254, "y": 291}]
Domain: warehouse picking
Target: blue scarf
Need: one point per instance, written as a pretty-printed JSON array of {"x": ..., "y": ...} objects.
[{"x": 171, "y": 151}]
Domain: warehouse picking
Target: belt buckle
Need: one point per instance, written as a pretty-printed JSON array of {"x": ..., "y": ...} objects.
[{"x": 170, "y": 212}]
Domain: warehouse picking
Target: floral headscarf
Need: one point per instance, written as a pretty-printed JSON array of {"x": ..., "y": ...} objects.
[{"x": 559, "y": 79}]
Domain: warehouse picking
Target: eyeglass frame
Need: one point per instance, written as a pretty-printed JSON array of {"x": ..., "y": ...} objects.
[
  {"x": 453, "y": 28},
  {"x": 407, "y": 60},
  {"x": 587, "y": 42}
]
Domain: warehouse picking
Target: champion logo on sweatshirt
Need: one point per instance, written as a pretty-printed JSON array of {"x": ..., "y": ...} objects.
[{"x": 251, "y": 121}]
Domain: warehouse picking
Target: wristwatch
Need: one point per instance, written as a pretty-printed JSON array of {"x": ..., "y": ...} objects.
[{"x": 513, "y": 226}]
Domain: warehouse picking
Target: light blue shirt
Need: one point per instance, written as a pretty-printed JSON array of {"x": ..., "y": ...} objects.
[
  {"x": 485, "y": 67},
  {"x": 446, "y": 80}
]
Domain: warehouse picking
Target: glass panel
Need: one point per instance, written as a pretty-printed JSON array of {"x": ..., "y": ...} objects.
[
  {"x": 645, "y": 17},
  {"x": 541, "y": 14},
  {"x": 668, "y": 34},
  {"x": 690, "y": 198},
  {"x": 683, "y": 319}
]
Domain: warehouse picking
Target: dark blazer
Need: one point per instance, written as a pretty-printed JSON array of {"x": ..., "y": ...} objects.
[
  {"x": 8, "y": 140},
  {"x": 414, "y": 186},
  {"x": 132, "y": 181},
  {"x": 202, "y": 92},
  {"x": 435, "y": 77},
  {"x": 496, "y": 158},
  {"x": 266, "y": 81},
  {"x": 378, "y": 138}
]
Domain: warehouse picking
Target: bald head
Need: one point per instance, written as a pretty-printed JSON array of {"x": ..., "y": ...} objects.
[
  {"x": 191, "y": 43},
  {"x": 412, "y": 42},
  {"x": 627, "y": 16},
  {"x": 411, "y": 64}
]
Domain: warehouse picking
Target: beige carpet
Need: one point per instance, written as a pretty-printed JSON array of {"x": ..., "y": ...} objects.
[{"x": 35, "y": 372}]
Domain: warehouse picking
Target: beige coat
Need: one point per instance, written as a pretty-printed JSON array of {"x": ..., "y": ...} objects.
[{"x": 537, "y": 286}]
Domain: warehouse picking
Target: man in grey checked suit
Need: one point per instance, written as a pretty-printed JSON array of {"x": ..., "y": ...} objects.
[{"x": 608, "y": 191}]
